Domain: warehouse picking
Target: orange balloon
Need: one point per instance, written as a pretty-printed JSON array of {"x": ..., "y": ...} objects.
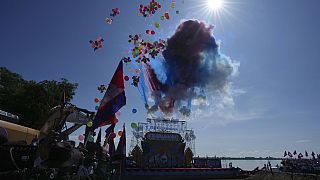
[{"x": 120, "y": 133}]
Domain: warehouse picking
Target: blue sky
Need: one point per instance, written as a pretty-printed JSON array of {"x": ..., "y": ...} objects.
[{"x": 276, "y": 43}]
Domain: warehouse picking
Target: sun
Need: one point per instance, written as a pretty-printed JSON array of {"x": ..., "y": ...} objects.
[{"x": 215, "y": 4}]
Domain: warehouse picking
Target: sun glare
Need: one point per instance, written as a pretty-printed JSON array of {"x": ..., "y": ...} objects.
[{"x": 215, "y": 4}]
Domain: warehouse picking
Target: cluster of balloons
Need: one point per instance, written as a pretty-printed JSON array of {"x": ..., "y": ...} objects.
[
  {"x": 149, "y": 9},
  {"x": 115, "y": 11},
  {"x": 152, "y": 32},
  {"x": 126, "y": 59},
  {"x": 97, "y": 44},
  {"x": 135, "y": 81},
  {"x": 143, "y": 50},
  {"x": 102, "y": 88},
  {"x": 108, "y": 20}
]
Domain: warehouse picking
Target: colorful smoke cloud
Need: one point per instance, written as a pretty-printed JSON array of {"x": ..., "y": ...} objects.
[{"x": 192, "y": 69}]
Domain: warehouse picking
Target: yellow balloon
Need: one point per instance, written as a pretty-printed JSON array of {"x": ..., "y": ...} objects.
[{"x": 89, "y": 124}]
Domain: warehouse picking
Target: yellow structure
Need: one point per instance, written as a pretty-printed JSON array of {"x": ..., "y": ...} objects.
[{"x": 18, "y": 133}]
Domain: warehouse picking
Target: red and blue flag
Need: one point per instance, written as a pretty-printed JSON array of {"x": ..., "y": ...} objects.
[{"x": 113, "y": 100}]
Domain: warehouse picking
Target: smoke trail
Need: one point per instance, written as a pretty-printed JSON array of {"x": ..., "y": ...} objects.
[{"x": 193, "y": 67}]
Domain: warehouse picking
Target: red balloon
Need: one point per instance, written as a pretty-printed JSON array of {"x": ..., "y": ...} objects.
[
  {"x": 153, "y": 32},
  {"x": 113, "y": 135},
  {"x": 148, "y": 31},
  {"x": 120, "y": 133},
  {"x": 167, "y": 15},
  {"x": 126, "y": 78},
  {"x": 96, "y": 100},
  {"x": 114, "y": 121}
]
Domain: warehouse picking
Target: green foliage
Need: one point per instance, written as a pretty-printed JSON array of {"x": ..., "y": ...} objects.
[{"x": 31, "y": 100}]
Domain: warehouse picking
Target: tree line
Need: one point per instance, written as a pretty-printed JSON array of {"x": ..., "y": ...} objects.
[{"x": 32, "y": 100}]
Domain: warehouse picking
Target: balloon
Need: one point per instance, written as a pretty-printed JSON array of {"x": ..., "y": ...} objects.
[
  {"x": 134, "y": 110},
  {"x": 126, "y": 78},
  {"x": 114, "y": 121},
  {"x": 89, "y": 124},
  {"x": 90, "y": 138},
  {"x": 113, "y": 135},
  {"x": 120, "y": 133},
  {"x": 118, "y": 113},
  {"x": 96, "y": 100},
  {"x": 167, "y": 15},
  {"x": 177, "y": 12},
  {"x": 162, "y": 18},
  {"x": 81, "y": 137},
  {"x": 156, "y": 24},
  {"x": 134, "y": 125},
  {"x": 96, "y": 108},
  {"x": 137, "y": 71}
]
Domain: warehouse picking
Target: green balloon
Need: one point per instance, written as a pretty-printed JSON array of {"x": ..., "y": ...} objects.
[
  {"x": 89, "y": 124},
  {"x": 162, "y": 17},
  {"x": 90, "y": 138},
  {"x": 134, "y": 125}
]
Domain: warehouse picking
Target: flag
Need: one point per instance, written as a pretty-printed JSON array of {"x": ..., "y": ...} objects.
[
  {"x": 285, "y": 154},
  {"x": 121, "y": 152},
  {"x": 294, "y": 152},
  {"x": 121, "y": 148},
  {"x": 300, "y": 156},
  {"x": 306, "y": 153},
  {"x": 113, "y": 100},
  {"x": 112, "y": 148},
  {"x": 313, "y": 154},
  {"x": 109, "y": 130},
  {"x": 99, "y": 137},
  {"x": 110, "y": 140},
  {"x": 289, "y": 154}
]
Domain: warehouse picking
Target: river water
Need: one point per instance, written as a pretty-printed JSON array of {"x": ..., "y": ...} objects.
[{"x": 249, "y": 164}]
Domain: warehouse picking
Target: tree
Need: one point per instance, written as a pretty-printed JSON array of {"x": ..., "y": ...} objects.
[{"x": 32, "y": 100}]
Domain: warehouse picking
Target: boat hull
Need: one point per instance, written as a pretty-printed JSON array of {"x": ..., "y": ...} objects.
[{"x": 181, "y": 173}]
